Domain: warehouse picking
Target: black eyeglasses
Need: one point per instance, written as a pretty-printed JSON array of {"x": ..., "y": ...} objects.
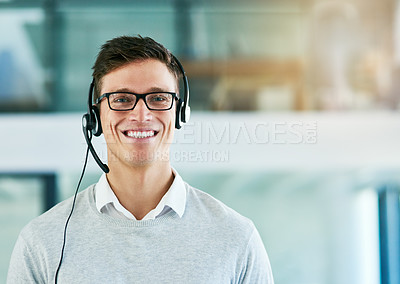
[{"x": 122, "y": 101}]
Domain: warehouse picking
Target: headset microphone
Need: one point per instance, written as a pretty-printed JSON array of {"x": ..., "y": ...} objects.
[{"x": 88, "y": 138}]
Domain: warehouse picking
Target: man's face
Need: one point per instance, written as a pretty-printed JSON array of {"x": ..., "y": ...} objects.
[{"x": 139, "y": 136}]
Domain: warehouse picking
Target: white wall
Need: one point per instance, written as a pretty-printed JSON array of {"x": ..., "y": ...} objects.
[{"x": 277, "y": 141}]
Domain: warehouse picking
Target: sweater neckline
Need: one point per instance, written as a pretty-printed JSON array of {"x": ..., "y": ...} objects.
[{"x": 90, "y": 196}]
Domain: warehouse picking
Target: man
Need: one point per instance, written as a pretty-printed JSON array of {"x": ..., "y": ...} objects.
[{"x": 141, "y": 223}]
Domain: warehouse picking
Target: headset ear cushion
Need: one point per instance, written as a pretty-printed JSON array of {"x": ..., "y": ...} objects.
[
  {"x": 178, "y": 114},
  {"x": 185, "y": 115},
  {"x": 97, "y": 130},
  {"x": 86, "y": 122}
]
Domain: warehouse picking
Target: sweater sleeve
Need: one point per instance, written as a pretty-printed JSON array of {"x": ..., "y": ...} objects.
[
  {"x": 23, "y": 265},
  {"x": 256, "y": 267}
]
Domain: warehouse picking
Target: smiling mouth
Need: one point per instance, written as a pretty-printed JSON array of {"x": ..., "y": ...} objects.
[{"x": 140, "y": 134}]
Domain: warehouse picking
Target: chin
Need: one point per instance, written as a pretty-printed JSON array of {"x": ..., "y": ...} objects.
[{"x": 143, "y": 158}]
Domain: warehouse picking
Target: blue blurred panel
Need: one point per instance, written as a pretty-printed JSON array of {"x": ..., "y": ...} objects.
[
  {"x": 22, "y": 78},
  {"x": 7, "y": 75}
]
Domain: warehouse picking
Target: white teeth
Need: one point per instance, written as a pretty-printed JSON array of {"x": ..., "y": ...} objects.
[{"x": 140, "y": 134}]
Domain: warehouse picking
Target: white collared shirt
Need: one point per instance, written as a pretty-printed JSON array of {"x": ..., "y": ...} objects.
[{"x": 108, "y": 203}]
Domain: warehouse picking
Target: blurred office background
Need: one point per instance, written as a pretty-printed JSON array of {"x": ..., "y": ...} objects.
[{"x": 295, "y": 123}]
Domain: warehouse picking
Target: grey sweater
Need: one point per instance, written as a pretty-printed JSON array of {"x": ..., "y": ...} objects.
[{"x": 211, "y": 243}]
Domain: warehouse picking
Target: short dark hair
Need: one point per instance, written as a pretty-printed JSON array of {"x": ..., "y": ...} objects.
[{"x": 120, "y": 51}]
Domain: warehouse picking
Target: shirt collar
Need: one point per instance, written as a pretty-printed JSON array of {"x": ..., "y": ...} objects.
[{"x": 174, "y": 198}]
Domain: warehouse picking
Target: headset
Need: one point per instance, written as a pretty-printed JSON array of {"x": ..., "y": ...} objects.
[{"x": 91, "y": 125}]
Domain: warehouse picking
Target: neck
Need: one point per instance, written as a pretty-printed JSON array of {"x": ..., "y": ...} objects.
[{"x": 140, "y": 188}]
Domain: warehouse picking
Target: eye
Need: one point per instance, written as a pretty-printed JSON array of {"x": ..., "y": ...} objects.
[
  {"x": 158, "y": 97},
  {"x": 122, "y": 98}
]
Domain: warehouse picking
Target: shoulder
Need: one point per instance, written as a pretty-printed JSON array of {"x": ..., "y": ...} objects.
[
  {"x": 37, "y": 249},
  {"x": 52, "y": 222},
  {"x": 226, "y": 228},
  {"x": 214, "y": 210}
]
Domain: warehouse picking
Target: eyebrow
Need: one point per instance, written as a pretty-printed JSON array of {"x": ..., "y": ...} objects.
[{"x": 152, "y": 89}]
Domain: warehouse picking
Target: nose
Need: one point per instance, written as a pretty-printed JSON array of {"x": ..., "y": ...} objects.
[{"x": 140, "y": 113}]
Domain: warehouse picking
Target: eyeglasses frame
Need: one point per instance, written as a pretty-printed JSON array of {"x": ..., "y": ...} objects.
[{"x": 138, "y": 97}]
